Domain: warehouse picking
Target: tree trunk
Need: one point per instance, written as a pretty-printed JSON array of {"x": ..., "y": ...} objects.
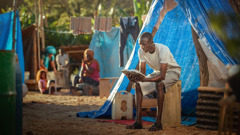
[
  {"x": 202, "y": 59},
  {"x": 235, "y": 5}
]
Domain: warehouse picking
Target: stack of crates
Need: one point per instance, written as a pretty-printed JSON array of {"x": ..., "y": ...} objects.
[{"x": 208, "y": 108}]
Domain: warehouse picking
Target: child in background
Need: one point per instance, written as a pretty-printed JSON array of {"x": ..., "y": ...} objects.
[{"x": 43, "y": 83}]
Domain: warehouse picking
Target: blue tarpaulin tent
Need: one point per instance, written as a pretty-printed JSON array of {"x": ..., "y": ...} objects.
[
  {"x": 6, "y": 38},
  {"x": 175, "y": 32}
]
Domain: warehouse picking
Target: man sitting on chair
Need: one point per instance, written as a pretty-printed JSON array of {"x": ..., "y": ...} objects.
[{"x": 166, "y": 73}]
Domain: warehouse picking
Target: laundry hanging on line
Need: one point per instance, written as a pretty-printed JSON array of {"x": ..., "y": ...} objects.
[
  {"x": 103, "y": 24},
  {"x": 81, "y": 25},
  {"x": 129, "y": 25}
]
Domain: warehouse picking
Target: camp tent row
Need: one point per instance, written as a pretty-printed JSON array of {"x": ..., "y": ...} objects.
[{"x": 176, "y": 32}]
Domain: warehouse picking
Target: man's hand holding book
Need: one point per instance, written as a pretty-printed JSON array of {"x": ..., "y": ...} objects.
[{"x": 134, "y": 75}]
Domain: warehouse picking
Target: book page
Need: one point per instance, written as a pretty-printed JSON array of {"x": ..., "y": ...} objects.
[{"x": 132, "y": 71}]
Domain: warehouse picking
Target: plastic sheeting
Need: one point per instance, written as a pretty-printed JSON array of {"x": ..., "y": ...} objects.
[
  {"x": 6, "y": 38},
  {"x": 106, "y": 50},
  {"x": 175, "y": 32},
  {"x": 197, "y": 13}
]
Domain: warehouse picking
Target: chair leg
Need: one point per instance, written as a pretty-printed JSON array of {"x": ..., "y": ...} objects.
[
  {"x": 55, "y": 86},
  {"x": 221, "y": 119},
  {"x": 55, "y": 89},
  {"x": 49, "y": 90}
]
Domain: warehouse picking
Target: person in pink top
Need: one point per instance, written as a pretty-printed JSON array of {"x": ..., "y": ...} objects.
[
  {"x": 42, "y": 82},
  {"x": 90, "y": 68},
  {"x": 89, "y": 73}
]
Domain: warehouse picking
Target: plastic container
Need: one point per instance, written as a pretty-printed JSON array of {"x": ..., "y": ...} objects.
[
  {"x": 26, "y": 75},
  {"x": 7, "y": 92},
  {"x": 122, "y": 107}
]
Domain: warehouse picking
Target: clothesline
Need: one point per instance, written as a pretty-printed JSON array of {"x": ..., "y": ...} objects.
[{"x": 59, "y": 32}]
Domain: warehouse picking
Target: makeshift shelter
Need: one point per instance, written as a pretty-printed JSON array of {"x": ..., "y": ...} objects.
[
  {"x": 31, "y": 56},
  {"x": 75, "y": 53},
  {"x": 175, "y": 32},
  {"x": 6, "y": 36}
]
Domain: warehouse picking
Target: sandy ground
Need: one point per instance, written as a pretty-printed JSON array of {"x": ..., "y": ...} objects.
[{"x": 56, "y": 115}]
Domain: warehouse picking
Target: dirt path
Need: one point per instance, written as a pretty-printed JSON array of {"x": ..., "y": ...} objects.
[{"x": 56, "y": 115}]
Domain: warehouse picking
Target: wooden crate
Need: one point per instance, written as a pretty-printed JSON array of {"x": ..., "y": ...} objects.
[
  {"x": 208, "y": 107},
  {"x": 105, "y": 86},
  {"x": 171, "y": 115}
]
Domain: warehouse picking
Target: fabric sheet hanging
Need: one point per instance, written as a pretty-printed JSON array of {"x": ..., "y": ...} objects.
[
  {"x": 81, "y": 25},
  {"x": 106, "y": 47},
  {"x": 103, "y": 24}
]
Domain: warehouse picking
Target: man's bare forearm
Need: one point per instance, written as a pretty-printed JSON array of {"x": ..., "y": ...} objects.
[
  {"x": 142, "y": 68},
  {"x": 157, "y": 78}
]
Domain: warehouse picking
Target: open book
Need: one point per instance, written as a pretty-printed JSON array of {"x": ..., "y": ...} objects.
[{"x": 132, "y": 71}]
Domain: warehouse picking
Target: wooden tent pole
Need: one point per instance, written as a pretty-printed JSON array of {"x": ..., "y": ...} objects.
[
  {"x": 168, "y": 5},
  {"x": 41, "y": 24},
  {"x": 202, "y": 59},
  {"x": 37, "y": 32},
  {"x": 14, "y": 24}
]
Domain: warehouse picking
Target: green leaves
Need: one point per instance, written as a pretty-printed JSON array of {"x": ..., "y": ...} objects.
[
  {"x": 227, "y": 27},
  {"x": 141, "y": 8}
]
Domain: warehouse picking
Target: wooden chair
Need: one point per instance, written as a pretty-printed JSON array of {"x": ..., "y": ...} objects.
[{"x": 50, "y": 87}]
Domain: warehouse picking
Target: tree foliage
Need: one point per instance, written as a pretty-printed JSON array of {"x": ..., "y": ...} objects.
[{"x": 227, "y": 27}]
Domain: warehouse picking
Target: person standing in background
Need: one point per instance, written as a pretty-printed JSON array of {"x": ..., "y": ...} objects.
[
  {"x": 62, "y": 61},
  {"x": 49, "y": 62}
]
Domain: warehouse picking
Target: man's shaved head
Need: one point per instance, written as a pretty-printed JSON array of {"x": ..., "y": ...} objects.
[
  {"x": 146, "y": 35},
  {"x": 146, "y": 42}
]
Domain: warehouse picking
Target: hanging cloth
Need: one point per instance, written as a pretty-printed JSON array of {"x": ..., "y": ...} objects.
[
  {"x": 81, "y": 25},
  {"x": 103, "y": 24},
  {"x": 129, "y": 25}
]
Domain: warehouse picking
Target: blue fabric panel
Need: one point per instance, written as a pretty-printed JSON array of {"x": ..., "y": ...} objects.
[
  {"x": 197, "y": 13},
  {"x": 106, "y": 50},
  {"x": 189, "y": 121},
  {"x": 6, "y": 31},
  {"x": 149, "y": 119}
]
